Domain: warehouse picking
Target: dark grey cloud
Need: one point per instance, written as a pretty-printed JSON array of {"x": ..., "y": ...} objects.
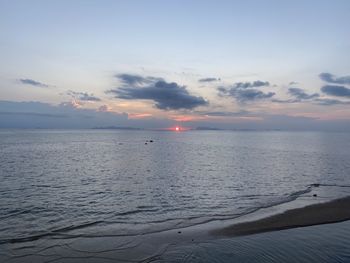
[
  {"x": 223, "y": 91},
  {"x": 83, "y": 96},
  {"x": 244, "y": 94},
  {"x": 330, "y": 78},
  {"x": 300, "y": 94},
  {"x": 33, "y": 83},
  {"x": 251, "y": 94},
  {"x": 209, "y": 80},
  {"x": 134, "y": 80},
  {"x": 292, "y": 83},
  {"x": 254, "y": 84},
  {"x": 315, "y": 100},
  {"x": 335, "y": 90},
  {"x": 246, "y": 91},
  {"x": 167, "y": 96}
]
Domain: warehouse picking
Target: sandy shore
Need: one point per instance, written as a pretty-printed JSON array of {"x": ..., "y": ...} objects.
[
  {"x": 331, "y": 212},
  {"x": 201, "y": 243}
]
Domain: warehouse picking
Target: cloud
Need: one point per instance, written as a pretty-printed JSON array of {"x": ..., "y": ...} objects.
[
  {"x": 244, "y": 95},
  {"x": 83, "y": 96},
  {"x": 43, "y": 115},
  {"x": 33, "y": 114},
  {"x": 167, "y": 96},
  {"x": 208, "y": 80},
  {"x": 134, "y": 80},
  {"x": 300, "y": 94},
  {"x": 225, "y": 113},
  {"x": 254, "y": 84},
  {"x": 334, "y": 90},
  {"x": 65, "y": 115},
  {"x": 33, "y": 83},
  {"x": 72, "y": 104},
  {"x": 330, "y": 102},
  {"x": 330, "y": 78},
  {"x": 104, "y": 108},
  {"x": 252, "y": 94},
  {"x": 246, "y": 91}
]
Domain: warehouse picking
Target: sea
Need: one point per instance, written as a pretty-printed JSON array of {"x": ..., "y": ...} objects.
[{"x": 60, "y": 189}]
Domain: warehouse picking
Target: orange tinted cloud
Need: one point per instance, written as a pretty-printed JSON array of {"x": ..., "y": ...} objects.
[
  {"x": 139, "y": 115},
  {"x": 186, "y": 118}
]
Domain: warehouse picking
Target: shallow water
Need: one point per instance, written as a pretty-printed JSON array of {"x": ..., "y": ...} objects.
[
  {"x": 85, "y": 183},
  {"x": 323, "y": 243}
]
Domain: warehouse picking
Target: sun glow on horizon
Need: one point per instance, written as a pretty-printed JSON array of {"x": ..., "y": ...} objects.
[{"x": 177, "y": 128}]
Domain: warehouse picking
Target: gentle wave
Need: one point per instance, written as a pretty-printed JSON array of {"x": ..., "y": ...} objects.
[
  {"x": 181, "y": 222},
  {"x": 51, "y": 233}
]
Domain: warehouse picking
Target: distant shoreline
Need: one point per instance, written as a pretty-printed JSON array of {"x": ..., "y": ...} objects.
[
  {"x": 325, "y": 213},
  {"x": 199, "y": 129}
]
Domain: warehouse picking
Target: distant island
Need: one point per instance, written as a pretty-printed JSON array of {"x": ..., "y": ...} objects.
[
  {"x": 116, "y": 128},
  {"x": 208, "y": 129}
]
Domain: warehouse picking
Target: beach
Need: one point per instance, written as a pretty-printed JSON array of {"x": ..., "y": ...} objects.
[
  {"x": 327, "y": 243},
  {"x": 317, "y": 214},
  {"x": 296, "y": 235}
]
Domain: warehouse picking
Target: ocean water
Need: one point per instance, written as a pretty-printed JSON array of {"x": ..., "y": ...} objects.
[{"x": 73, "y": 184}]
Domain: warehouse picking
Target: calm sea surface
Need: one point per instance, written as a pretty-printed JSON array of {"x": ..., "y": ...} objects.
[{"x": 109, "y": 182}]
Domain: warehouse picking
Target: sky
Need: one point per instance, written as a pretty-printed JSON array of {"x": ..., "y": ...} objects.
[{"x": 157, "y": 64}]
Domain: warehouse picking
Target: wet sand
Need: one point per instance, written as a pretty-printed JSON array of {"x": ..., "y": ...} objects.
[
  {"x": 202, "y": 243},
  {"x": 324, "y": 213}
]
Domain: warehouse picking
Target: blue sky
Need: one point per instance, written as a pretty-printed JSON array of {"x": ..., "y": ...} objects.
[{"x": 190, "y": 63}]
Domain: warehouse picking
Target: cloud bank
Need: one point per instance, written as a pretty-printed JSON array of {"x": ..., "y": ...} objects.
[{"x": 44, "y": 115}]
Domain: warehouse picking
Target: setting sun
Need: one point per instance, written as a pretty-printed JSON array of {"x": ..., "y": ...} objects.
[{"x": 177, "y": 128}]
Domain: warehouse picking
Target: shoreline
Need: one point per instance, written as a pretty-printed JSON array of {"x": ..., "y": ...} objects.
[
  {"x": 175, "y": 242},
  {"x": 317, "y": 214}
]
